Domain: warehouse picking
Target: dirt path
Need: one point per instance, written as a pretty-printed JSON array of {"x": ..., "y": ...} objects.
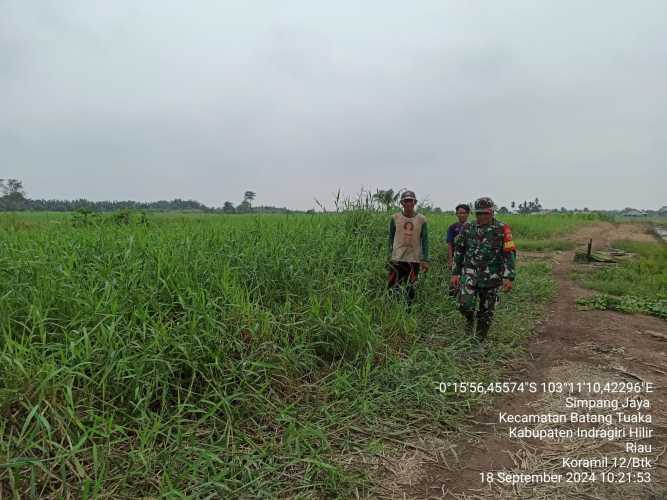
[{"x": 570, "y": 346}]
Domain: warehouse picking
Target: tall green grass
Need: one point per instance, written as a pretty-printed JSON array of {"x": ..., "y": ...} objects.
[{"x": 224, "y": 355}]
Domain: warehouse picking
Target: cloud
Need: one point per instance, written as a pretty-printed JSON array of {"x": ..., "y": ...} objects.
[{"x": 150, "y": 100}]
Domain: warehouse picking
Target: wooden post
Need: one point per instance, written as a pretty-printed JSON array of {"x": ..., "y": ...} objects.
[{"x": 590, "y": 247}]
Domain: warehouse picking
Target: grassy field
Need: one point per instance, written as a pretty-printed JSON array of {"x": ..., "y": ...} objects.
[
  {"x": 208, "y": 355},
  {"x": 638, "y": 285}
]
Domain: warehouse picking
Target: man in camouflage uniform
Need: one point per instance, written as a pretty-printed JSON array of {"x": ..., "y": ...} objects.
[{"x": 484, "y": 259}]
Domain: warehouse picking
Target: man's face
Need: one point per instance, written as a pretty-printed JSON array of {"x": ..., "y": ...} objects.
[
  {"x": 462, "y": 214},
  {"x": 408, "y": 205},
  {"x": 484, "y": 218}
]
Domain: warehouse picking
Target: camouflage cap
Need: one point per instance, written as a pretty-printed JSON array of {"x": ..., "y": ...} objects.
[
  {"x": 484, "y": 205},
  {"x": 408, "y": 195}
]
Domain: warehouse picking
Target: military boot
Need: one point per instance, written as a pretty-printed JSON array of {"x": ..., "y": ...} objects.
[
  {"x": 470, "y": 323},
  {"x": 483, "y": 330}
]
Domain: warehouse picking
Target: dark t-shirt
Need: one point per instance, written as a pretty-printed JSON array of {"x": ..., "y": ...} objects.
[{"x": 453, "y": 231}]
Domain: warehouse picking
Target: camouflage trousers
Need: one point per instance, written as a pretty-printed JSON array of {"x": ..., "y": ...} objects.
[{"x": 467, "y": 299}]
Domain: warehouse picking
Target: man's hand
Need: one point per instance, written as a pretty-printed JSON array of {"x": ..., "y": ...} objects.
[
  {"x": 455, "y": 281},
  {"x": 423, "y": 265},
  {"x": 507, "y": 285}
]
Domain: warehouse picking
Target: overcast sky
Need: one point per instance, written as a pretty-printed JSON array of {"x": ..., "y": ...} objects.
[{"x": 148, "y": 100}]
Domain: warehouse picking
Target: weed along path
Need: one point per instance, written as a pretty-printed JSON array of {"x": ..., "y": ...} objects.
[{"x": 596, "y": 429}]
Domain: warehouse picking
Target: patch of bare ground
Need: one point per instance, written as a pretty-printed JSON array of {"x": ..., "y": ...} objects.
[
  {"x": 571, "y": 345},
  {"x": 603, "y": 233}
]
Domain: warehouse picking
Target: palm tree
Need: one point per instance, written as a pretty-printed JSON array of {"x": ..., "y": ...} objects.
[
  {"x": 249, "y": 196},
  {"x": 387, "y": 198}
]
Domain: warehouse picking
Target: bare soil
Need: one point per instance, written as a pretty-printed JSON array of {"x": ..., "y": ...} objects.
[{"x": 570, "y": 345}]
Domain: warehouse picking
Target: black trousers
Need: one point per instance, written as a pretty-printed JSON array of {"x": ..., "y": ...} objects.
[{"x": 402, "y": 279}]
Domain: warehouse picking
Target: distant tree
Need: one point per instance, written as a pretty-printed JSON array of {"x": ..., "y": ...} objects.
[
  {"x": 425, "y": 205},
  {"x": 228, "y": 207},
  {"x": 13, "y": 195},
  {"x": 387, "y": 198},
  {"x": 528, "y": 207},
  {"x": 244, "y": 207},
  {"x": 437, "y": 210},
  {"x": 12, "y": 187},
  {"x": 503, "y": 210},
  {"x": 249, "y": 196},
  {"x": 563, "y": 209},
  {"x": 513, "y": 205}
]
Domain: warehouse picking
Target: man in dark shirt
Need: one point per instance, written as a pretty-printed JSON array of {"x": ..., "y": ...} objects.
[{"x": 462, "y": 212}]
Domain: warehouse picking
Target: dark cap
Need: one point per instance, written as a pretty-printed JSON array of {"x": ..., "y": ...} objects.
[
  {"x": 408, "y": 195},
  {"x": 484, "y": 205}
]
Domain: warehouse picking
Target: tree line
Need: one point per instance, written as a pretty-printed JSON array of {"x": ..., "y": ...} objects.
[{"x": 13, "y": 198}]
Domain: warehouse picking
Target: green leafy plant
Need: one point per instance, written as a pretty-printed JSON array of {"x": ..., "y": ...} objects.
[
  {"x": 626, "y": 304},
  {"x": 83, "y": 217}
]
